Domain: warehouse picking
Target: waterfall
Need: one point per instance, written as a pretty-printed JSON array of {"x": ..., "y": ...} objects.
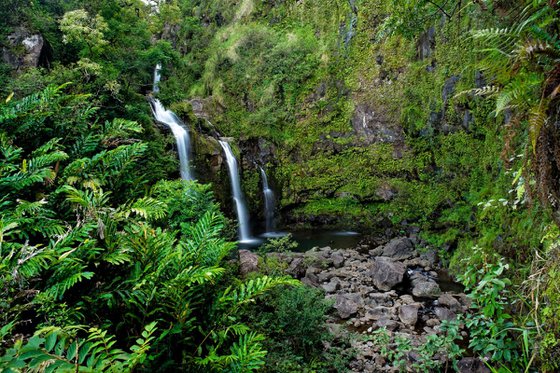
[
  {"x": 268, "y": 203},
  {"x": 169, "y": 118},
  {"x": 157, "y": 78},
  {"x": 238, "y": 199}
]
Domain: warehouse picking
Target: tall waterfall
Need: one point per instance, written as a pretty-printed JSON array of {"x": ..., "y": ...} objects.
[
  {"x": 238, "y": 199},
  {"x": 181, "y": 136},
  {"x": 157, "y": 78},
  {"x": 268, "y": 203}
]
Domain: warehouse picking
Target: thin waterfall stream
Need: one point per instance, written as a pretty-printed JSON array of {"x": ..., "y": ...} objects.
[
  {"x": 167, "y": 117},
  {"x": 268, "y": 203},
  {"x": 237, "y": 194}
]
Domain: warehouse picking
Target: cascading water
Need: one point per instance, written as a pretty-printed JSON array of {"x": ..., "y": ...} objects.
[
  {"x": 238, "y": 199},
  {"x": 268, "y": 203},
  {"x": 157, "y": 78},
  {"x": 169, "y": 118}
]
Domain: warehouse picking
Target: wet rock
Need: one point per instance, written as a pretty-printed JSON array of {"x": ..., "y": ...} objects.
[
  {"x": 347, "y": 304},
  {"x": 472, "y": 365},
  {"x": 386, "y": 274},
  {"x": 399, "y": 249},
  {"x": 425, "y": 288},
  {"x": 248, "y": 262},
  {"x": 408, "y": 314}
]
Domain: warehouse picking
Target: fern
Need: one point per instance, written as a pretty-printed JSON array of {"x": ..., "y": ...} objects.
[{"x": 55, "y": 350}]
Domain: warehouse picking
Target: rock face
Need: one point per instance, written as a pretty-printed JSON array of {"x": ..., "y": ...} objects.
[
  {"x": 372, "y": 126},
  {"x": 248, "y": 262},
  {"x": 24, "y": 49},
  {"x": 386, "y": 274}
]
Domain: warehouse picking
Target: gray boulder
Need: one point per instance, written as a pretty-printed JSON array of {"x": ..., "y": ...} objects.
[
  {"x": 23, "y": 48},
  {"x": 425, "y": 288},
  {"x": 347, "y": 304},
  {"x": 386, "y": 274},
  {"x": 248, "y": 262},
  {"x": 296, "y": 268},
  {"x": 399, "y": 249},
  {"x": 331, "y": 286},
  {"x": 408, "y": 314}
]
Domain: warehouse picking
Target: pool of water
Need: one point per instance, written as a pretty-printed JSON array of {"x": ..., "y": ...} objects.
[{"x": 307, "y": 239}]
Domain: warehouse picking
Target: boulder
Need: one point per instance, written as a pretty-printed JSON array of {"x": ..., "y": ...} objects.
[
  {"x": 248, "y": 262},
  {"x": 399, "y": 249},
  {"x": 337, "y": 259},
  {"x": 347, "y": 304},
  {"x": 425, "y": 288},
  {"x": 386, "y": 274},
  {"x": 447, "y": 300},
  {"x": 331, "y": 286},
  {"x": 296, "y": 268},
  {"x": 23, "y": 48},
  {"x": 408, "y": 314},
  {"x": 311, "y": 278},
  {"x": 445, "y": 314},
  {"x": 379, "y": 313}
]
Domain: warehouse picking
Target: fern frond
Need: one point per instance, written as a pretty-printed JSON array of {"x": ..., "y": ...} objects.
[{"x": 249, "y": 290}]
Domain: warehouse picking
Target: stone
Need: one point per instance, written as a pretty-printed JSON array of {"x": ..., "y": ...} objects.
[
  {"x": 408, "y": 314},
  {"x": 425, "y": 288},
  {"x": 432, "y": 322},
  {"x": 447, "y": 300},
  {"x": 347, "y": 304},
  {"x": 426, "y": 44},
  {"x": 296, "y": 268},
  {"x": 331, "y": 286},
  {"x": 23, "y": 49},
  {"x": 337, "y": 259},
  {"x": 248, "y": 262},
  {"x": 378, "y": 251},
  {"x": 472, "y": 365},
  {"x": 379, "y": 313},
  {"x": 445, "y": 314},
  {"x": 399, "y": 249},
  {"x": 387, "y": 323},
  {"x": 310, "y": 277},
  {"x": 386, "y": 274}
]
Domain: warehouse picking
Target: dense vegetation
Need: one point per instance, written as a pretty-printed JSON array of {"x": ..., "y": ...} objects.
[{"x": 378, "y": 114}]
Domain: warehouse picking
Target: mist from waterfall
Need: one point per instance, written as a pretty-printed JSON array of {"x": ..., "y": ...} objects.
[
  {"x": 237, "y": 194},
  {"x": 268, "y": 203}
]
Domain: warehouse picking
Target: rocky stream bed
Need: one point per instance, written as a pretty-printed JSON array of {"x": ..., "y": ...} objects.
[{"x": 392, "y": 286}]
